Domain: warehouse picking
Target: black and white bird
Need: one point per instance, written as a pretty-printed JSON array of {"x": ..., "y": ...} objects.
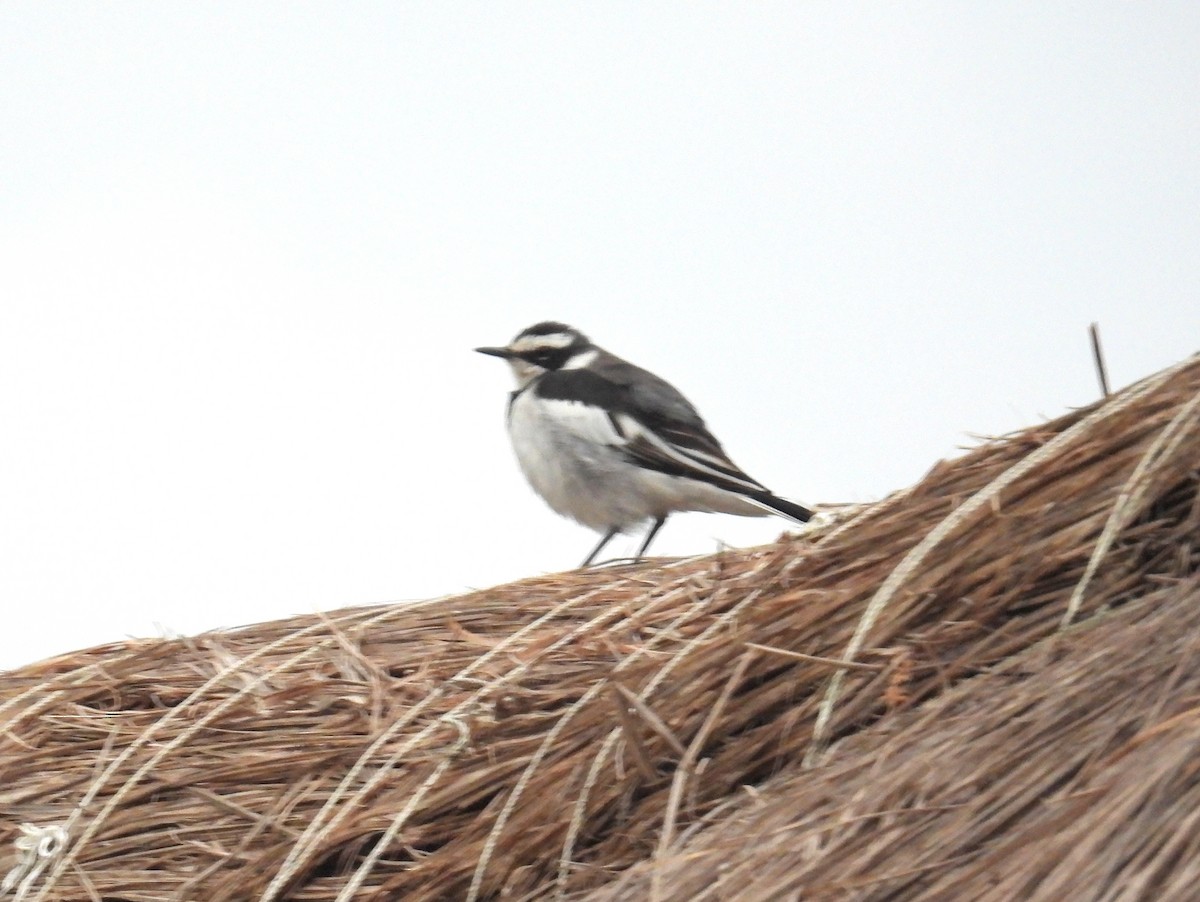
[{"x": 611, "y": 445}]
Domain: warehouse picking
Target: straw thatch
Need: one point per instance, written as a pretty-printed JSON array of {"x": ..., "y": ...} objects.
[{"x": 1017, "y": 717}]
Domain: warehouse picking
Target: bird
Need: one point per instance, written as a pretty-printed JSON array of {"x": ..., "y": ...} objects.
[{"x": 611, "y": 445}]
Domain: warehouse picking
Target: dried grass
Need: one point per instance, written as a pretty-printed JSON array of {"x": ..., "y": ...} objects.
[{"x": 640, "y": 732}]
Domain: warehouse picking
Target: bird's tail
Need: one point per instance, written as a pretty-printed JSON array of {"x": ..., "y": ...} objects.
[{"x": 781, "y": 506}]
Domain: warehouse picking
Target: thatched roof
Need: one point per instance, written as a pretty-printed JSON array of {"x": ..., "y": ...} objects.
[{"x": 1018, "y": 720}]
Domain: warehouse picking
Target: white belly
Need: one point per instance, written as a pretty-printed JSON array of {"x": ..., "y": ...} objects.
[{"x": 571, "y": 455}]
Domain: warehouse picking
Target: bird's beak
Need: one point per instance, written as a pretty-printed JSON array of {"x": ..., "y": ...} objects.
[{"x": 496, "y": 352}]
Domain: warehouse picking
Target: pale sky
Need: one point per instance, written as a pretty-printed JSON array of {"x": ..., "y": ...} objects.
[{"x": 246, "y": 250}]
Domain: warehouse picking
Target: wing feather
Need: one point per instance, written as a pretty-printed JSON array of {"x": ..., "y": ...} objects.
[
  {"x": 652, "y": 450},
  {"x": 655, "y": 425}
]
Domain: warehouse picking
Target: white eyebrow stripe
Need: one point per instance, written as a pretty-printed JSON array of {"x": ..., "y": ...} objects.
[{"x": 534, "y": 342}]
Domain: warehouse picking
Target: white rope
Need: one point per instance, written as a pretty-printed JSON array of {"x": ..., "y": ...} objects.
[
  {"x": 1130, "y": 500},
  {"x": 330, "y": 816},
  {"x": 551, "y": 738},
  {"x": 963, "y": 514},
  {"x": 38, "y": 846},
  {"x": 356, "y": 880},
  {"x": 179, "y": 711},
  {"x": 580, "y": 813}
]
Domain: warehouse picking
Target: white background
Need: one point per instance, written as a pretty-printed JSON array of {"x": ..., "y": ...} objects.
[{"x": 246, "y": 249}]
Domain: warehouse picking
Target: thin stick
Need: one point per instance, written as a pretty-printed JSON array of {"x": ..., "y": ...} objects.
[
  {"x": 815, "y": 659},
  {"x": 652, "y": 720},
  {"x": 551, "y": 738},
  {"x": 632, "y": 739},
  {"x": 1098, "y": 354},
  {"x": 577, "y": 818},
  {"x": 686, "y": 768}
]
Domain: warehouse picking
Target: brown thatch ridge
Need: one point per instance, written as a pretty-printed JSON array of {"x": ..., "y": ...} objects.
[{"x": 1016, "y": 717}]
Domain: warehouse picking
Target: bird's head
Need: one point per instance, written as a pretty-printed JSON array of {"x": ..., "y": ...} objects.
[{"x": 545, "y": 346}]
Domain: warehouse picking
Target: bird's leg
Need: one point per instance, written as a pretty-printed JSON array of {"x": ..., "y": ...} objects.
[
  {"x": 595, "y": 551},
  {"x": 650, "y": 536}
]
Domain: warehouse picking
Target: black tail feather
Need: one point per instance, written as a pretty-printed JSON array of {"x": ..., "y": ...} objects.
[{"x": 781, "y": 506}]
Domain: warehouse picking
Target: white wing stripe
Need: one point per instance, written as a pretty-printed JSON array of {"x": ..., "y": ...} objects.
[{"x": 631, "y": 427}]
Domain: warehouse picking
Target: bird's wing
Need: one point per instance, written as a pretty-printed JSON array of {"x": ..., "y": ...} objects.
[
  {"x": 654, "y": 424},
  {"x": 692, "y": 453}
]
